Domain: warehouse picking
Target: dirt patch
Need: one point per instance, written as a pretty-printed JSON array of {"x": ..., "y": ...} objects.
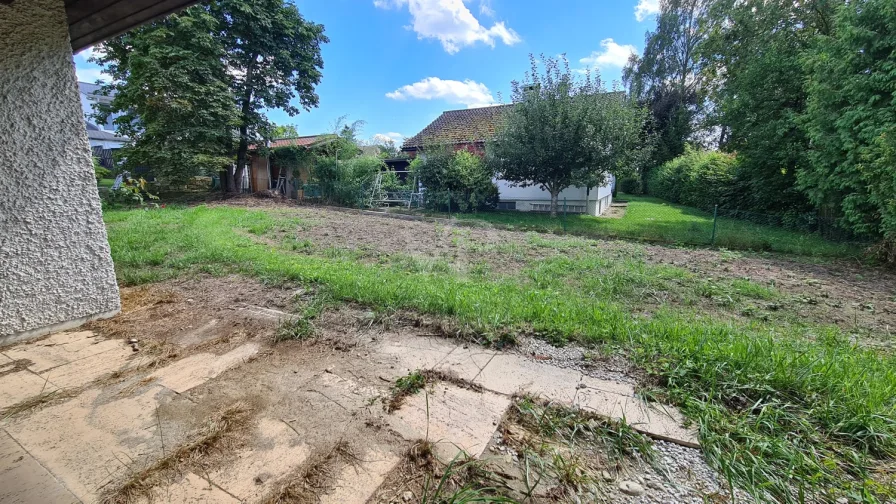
[{"x": 857, "y": 298}]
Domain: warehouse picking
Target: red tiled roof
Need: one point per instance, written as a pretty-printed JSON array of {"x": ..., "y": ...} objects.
[
  {"x": 304, "y": 141},
  {"x": 459, "y": 126}
]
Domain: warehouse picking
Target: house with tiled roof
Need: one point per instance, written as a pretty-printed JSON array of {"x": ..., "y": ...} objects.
[{"x": 471, "y": 129}]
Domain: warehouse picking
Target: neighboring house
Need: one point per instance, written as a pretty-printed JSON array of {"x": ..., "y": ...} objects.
[
  {"x": 470, "y": 129},
  {"x": 99, "y": 135},
  {"x": 102, "y": 137},
  {"x": 264, "y": 171}
]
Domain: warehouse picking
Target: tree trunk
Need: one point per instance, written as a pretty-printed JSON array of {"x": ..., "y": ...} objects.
[
  {"x": 555, "y": 196},
  {"x": 242, "y": 153}
]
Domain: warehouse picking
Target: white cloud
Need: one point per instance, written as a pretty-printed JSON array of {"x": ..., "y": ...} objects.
[
  {"x": 646, "y": 8},
  {"x": 470, "y": 93},
  {"x": 382, "y": 138},
  {"x": 485, "y": 8},
  {"x": 451, "y": 23},
  {"x": 612, "y": 55}
]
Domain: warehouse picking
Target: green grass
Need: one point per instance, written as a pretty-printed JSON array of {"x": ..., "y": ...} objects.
[
  {"x": 652, "y": 219},
  {"x": 781, "y": 410},
  {"x": 106, "y": 182}
]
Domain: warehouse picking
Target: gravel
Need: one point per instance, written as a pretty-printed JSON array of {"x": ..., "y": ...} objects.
[{"x": 612, "y": 367}]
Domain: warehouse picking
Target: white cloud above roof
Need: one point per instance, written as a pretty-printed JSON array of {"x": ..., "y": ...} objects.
[
  {"x": 451, "y": 23},
  {"x": 470, "y": 93}
]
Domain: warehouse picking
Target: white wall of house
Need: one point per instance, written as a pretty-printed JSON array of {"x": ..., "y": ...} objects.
[
  {"x": 577, "y": 199},
  {"x": 55, "y": 265}
]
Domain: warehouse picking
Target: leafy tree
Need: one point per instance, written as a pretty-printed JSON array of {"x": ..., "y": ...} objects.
[
  {"x": 754, "y": 54},
  {"x": 273, "y": 56},
  {"x": 172, "y": 92},
  {"x": 283, "y": 131},
  {"x": 343, "y": 143},
  {"x": 851, "y": 120},
  {"x": 566, "y": 131},
  {"x": 667, "y": 78}
]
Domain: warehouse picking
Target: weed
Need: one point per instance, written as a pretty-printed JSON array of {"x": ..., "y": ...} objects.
[
  {"x": 405, "y": 387},
  {"x": 301, "y": 326},
  {"x": 39, "y": 400},
  {"x": 219, "y": 431},
  {"x": 315, "y": 478}
]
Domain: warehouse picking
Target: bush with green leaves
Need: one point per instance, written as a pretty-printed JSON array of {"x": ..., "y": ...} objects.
[
  {"x": 458, "y": 181},
  {"x": 630, "y": 185},
  {"x": 697, "y": 178},
  {"x": 343, "y": 182},
  {"x": 99, "y": 171}
]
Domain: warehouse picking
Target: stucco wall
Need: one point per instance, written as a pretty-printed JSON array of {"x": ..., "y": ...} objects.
[{"x": 55, "y": 267}]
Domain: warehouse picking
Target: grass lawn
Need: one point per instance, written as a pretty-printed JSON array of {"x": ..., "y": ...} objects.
[
  {"x": 653, "y": 219},
  {"x": 789, "y": 413},
  {"x": 106, "y": 182}
]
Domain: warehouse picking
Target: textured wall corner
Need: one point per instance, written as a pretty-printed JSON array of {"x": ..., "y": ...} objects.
[{"x": 55, "y": 266}]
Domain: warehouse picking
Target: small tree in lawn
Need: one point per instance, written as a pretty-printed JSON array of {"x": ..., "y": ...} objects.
[{"x": 565, "y": 131}]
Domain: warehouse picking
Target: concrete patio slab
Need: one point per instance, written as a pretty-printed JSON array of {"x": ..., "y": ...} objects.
[
  {"x": 17, "y": 386},
  {"x": 197, "y": 369},
  {"x": 277, "y": 450},
  {"x": 192, "y": 489},
  {"x": 664, "y": 423},
  {"x": 511, "y": 374},
  {"x": 62, "y": 348},
  {"x": 86, "y": 443},
  {"x": 455, "y": 419},
  {"x": 357, "y": 482},
  {"x": 466, "y": 363},
  {"x": 23, "y": 480}
]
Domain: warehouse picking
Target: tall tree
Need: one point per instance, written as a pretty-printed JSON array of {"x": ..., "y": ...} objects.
[
  {"x": 667, "y": 78},
  {"x": 565, "y": 131},
  {"x": 754, "y": 56},
  {"x": 273, "y": 55},
  {"x": 851, "y": 120},
  {"x": 170, "y": 86}
]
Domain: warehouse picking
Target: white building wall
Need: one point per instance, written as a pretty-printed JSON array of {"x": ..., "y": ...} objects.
[
  {"x": 55, "y": 266},
  {"x": 577, "y": 199}
]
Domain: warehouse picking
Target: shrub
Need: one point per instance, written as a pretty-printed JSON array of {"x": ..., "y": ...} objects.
[
  {"x": 99, "y": 171},
  {"x": 460, "y": 181},
  {"x": 697, "y": 178},
  {"x": 630, "y": 185},
  {"x": 344, "y": 182}
]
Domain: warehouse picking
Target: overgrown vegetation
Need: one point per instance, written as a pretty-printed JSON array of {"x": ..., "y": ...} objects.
[
  {"x": 774, "y": 403},
  {"x": 798, "y": 90},
  {"x": 344, "y": 181},
  {"x": 455, "y": 181}
]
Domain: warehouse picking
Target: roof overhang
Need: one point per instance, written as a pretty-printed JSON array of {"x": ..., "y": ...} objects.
[{"x": 93, "y": 21}]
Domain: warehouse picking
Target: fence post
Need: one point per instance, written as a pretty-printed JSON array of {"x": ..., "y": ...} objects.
[{"x": 715, "y": 220}]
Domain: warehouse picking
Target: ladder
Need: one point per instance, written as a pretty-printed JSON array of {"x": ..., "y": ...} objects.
[{"x": 281, "y": 184}]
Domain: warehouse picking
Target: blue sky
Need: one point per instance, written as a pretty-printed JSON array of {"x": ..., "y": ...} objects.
[{"x": 397, "y": 64}]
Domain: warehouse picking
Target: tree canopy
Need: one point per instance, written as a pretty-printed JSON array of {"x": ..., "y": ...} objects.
[
  {"x": 173, "y": 95},
  {"x": 565, "y": 131},
  {"x": 193, "y": 88}
]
